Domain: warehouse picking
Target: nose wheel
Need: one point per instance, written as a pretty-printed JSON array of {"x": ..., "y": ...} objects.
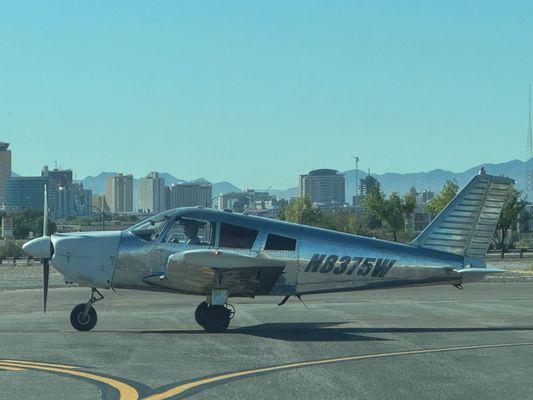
[
  {"x": 214, "y": 318},
  {"x": 83, "y": 317}
]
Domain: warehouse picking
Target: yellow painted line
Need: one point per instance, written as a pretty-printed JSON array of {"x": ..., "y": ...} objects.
[
  {"x": 126, "y": 392},
  {"x": 11, "y": 368},
  {"x": 201, "y": 382},
  {"x": 40, "y": 364}
]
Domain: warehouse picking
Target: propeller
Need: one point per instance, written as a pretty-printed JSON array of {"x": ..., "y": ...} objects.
[{"x": 46, "y": 261}]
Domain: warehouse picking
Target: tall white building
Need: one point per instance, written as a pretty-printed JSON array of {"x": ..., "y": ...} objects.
[
  {"x": 152, "y": 193},
  {"x": 119, "y": 193}
]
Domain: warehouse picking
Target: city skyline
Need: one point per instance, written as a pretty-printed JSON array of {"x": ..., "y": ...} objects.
[{"x": 239, "y": 91}]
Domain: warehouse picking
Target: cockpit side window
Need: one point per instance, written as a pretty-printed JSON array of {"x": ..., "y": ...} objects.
[
  {"x": 191, "y": 232},
  {"x": 276, "y": 242},
  {"x": 150, "y": 229},
  {"x": 237, "y": 237}
]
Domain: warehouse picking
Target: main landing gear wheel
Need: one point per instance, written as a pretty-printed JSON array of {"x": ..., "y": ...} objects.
[
  {"x": 213, "y": 318},
  {"x": 83, "y": 319}
]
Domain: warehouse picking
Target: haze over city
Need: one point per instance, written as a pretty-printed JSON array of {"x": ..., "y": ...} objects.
[{"x": 228, "y": 92}]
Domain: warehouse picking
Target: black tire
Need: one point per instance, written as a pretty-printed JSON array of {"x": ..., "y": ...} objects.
[
  {"x": 216, "y": 319},
  {"x": 200, "y": 313},
  {"x": 82, "y": 322}
]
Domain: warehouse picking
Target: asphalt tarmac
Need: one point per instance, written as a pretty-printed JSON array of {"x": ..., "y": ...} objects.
[{"x": 417, "y": 343}]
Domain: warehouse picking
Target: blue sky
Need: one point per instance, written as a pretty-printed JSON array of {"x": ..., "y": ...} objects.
[{"x": 259, "y": 92}]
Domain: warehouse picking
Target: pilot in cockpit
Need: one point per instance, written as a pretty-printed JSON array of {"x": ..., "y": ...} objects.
[{"x": 190, "y": 228}]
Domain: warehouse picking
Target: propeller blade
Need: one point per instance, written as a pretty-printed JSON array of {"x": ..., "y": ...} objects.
[
  {"x": 45, "y": 218},
  {"x": 46, "y": 274}
]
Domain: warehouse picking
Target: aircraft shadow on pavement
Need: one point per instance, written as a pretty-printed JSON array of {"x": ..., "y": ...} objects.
[
  {"x": 304, "y": 332},
  {"x": 307, "y": 332},
  {"x": 330, "y": 331},
  {"x": 333, "y": 332}
]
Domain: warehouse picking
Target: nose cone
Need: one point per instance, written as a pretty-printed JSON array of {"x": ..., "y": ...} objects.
[{"x": 40, "y": 247}]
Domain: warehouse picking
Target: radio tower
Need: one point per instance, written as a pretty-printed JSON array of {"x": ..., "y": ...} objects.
[{"x": 529, "y": 170}]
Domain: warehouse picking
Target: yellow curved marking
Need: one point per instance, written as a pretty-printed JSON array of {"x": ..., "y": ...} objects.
[
  {"x": 11, "y": 368},
  {"x": 195, "y": 384},
  {"x": 126, "y": 392},
  {"x": 40, "y": 364}
]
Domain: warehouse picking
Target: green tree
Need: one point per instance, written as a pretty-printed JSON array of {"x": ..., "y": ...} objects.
[
  {"x": 10, "y": 248},
  {"x": 441, "y": 200},
  {"x": 27, "y": 221},
  {"x": 344, "y": 221},
  {"x": 512, "y": 208},
  {"x": 392, "y": 212},
  {"x": 301, "y": 211}
]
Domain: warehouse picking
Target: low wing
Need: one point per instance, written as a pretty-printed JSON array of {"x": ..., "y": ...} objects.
[
  {"x": 220, "y": 259},
  {"x": 243, "y": 274}
]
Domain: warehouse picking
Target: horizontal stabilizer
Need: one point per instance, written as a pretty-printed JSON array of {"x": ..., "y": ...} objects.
[{"x": 476, "y": 274}]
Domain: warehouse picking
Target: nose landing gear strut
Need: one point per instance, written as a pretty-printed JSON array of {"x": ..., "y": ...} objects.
[{"x": 83, "y": 317}]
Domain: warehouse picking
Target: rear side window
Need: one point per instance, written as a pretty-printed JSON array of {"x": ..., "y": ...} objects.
[
  {"x": 275, "y": 242},
  {"x": 237, "y": 237}
]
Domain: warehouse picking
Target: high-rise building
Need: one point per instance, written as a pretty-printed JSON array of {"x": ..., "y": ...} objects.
[
  {"x": 82, "y": 200},
  {"x": 24, "y": 192},
  {"x": 323, "y": 186},
  {"x": 99, "y": 202},
  {"x": 5, "y": 167},
  {"x": 168, "y": 198},
  {"x": 152, "y": 193},
  {"x": 190, "y": 195},
  {"x": 58, "y": 177},
  {"x": 64, "y": 202},
  {"x": 119, "y": 193},
  {"x": 367, "y": 184},
  {"x": 66, "y": 198}
]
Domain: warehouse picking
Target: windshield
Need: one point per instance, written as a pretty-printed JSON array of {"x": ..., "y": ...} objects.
[{"x": 150, "y": 228}]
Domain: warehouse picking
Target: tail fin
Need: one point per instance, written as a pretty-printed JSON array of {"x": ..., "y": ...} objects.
[{"x": 467, "y": 224}]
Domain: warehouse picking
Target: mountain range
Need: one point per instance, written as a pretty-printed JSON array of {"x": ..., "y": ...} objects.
[
  {"x": 432, "y": 180},
  {"x": 390, "y": 181}
]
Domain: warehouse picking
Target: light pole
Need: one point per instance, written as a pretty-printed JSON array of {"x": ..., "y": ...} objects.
[
  {"x": 103, "y": 215},
  {"x": 356, "y": 198}
]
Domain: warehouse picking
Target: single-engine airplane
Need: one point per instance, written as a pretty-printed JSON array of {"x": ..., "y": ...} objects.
[{"x": 220, "y": 254}]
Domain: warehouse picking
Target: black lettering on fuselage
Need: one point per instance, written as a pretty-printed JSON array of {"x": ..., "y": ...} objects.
[
  {"x": 355, "y": 263},
  {"x": 344, "y": 261},
  {"x": 348, "y": 265},
  {"x": 380, "y": 263},
  {"x": 366, "y": 266},
  {"x": 328, "y": 265},
  {"x": 315, "y": 262},
  {"x": 386, "y": 269}
]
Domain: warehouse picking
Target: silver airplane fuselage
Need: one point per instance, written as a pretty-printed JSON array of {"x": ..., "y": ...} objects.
[
  {"x": 221, "y": 254},
  {"x": 322, "y": 261}
]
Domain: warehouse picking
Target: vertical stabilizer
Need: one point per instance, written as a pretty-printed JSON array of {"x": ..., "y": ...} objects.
[{"x": 467, "y": 224}]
